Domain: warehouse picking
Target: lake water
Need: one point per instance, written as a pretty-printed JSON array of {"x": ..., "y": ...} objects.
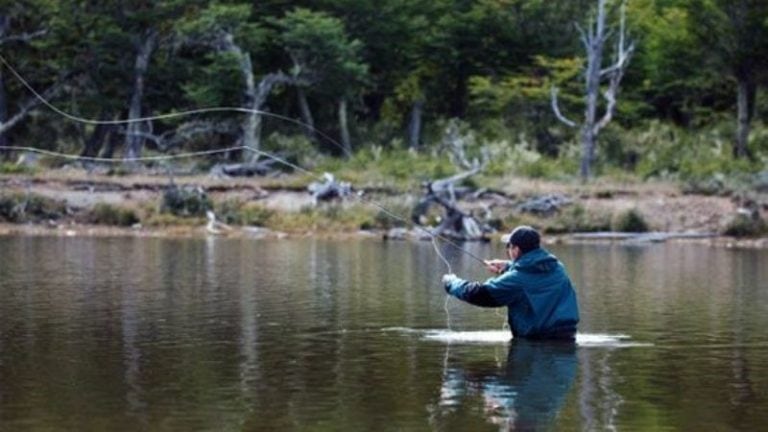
[{"x": 134, "y": 334}]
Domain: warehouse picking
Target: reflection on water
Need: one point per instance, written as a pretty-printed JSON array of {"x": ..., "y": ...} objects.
[
  {"x": 525, "y": 392},
  {"x": 218, "y": 334}
]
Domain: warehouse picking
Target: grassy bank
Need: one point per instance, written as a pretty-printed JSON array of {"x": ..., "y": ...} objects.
[
  {"x": 283, "y": 205},
  {"x": 651, "y": 177}
]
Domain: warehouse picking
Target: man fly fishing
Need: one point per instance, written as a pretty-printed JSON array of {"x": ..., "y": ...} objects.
[{"x": 533, "y": 285}]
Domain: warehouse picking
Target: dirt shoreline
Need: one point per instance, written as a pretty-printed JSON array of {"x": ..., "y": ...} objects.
[{"x": 663, "y": 205}]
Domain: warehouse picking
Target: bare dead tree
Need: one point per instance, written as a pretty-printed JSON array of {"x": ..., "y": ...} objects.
[
  {"x": 254, "y": 96},
  {"x": 456, "y": 144},
  {"x": 594, "y": 39}
]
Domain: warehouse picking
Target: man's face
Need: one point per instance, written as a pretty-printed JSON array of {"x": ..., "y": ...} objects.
[{"x": 513, "y": 252}]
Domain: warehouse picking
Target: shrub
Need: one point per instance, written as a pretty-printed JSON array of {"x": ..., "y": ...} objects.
[
  {"x": 19, "y": 208},
  {"x": 239, "y": 212},
  {"x": 760, "y": 181},
  {"x": 106, "y": 214},
  {"x": 397, "y": 215},
  {"x": 745, "y": 226},
  {"x": 630, "y": 221},
  {"x": 185, "y": 201},
  {"x": 697, "y": 158},
  {"x": 256, "y": 214},
  {"x": 296, "y": 149},
  {"x": 711, "y": 185},
  {"x": 326, "y": 217}
]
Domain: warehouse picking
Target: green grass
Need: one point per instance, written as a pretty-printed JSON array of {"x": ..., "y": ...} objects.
[{"x": 12, "y": 168}]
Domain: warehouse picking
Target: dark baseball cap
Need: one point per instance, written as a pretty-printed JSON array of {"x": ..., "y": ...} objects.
[{"x": 524, "y": 237}]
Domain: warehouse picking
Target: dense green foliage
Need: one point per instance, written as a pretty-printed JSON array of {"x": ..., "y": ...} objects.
[{"x": 380, "y": 70}]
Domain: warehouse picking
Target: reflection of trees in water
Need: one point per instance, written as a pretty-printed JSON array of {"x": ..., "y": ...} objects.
[
  {"x": 741, "y": 388},
  {"x": 524, "y": 393}
]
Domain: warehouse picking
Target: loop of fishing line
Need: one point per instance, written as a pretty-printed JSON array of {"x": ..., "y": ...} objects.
[
  {"x": 164, "y": 116},
  {"x": 434, "y": 237}
]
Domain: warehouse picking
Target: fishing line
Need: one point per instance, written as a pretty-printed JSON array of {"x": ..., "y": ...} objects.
[
  {"x": 243, "y": 110},
  {"x": 111, "y": 160},
  {"x": 69, "y": 116},
  {"x": 434, "y": 237}
]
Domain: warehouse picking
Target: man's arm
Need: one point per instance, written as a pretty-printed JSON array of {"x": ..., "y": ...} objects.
[{"x": 475, "y": 293}]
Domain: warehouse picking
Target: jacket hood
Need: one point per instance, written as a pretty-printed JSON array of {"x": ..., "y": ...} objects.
[{"x": 536, "y": 261}]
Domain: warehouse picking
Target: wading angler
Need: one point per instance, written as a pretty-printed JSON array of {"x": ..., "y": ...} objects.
[{"x": 533, "y": 284}]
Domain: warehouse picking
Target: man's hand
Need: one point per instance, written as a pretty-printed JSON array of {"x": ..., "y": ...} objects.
[
  {"x": 495, "y": 266},
  {"x": 448, "y": 279}
]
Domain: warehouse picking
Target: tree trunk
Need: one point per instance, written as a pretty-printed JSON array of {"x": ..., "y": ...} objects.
[
  {"x": 133, "y": 140},
  {"x": 4, "y": 153},
  {"x": 306, "y": 114},
  {"x": 254, "y": 96},
  {"x": 95, "y": 142},
  {"x": 346, "y": 142},
  {"x": 745, "y": 92},
  {"x": 592, "y": 87},
  {"x": 414, "y": 125},
  {"x": 113, "y": 141},
  {"x": 587, "y": 152},
  {"x": 252, "y": 123}
]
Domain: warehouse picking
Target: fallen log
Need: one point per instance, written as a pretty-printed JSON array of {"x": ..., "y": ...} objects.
[
  {"x": 247, "y": 169},
  {"x": 328, "y": 189}
]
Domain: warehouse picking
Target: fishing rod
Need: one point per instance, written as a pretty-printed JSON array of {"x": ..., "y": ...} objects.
[{"x": 83, "y": 120}]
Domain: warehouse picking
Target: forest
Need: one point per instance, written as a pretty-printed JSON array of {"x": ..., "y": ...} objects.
[{"x": 568, "y": 89}]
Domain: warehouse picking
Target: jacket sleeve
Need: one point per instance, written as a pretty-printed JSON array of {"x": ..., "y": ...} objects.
[{"x": 475, "y": 293}]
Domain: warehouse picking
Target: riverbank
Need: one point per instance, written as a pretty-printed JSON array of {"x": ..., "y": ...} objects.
[
  {"x": 81, "y": 230},
  {"x": 278, "y": 207}
]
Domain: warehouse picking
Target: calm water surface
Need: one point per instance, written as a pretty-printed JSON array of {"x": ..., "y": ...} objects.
[{"x": 132, "y": 334}]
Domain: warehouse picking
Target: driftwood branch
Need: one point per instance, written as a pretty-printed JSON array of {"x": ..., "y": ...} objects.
[
  {"x": 328, "y": 189},
  {"x": 455, "y": 223},
  {"x": 245, "y": 169}
]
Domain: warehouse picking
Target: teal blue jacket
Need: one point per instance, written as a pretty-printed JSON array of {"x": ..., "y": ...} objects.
[{"x": 540, "y": 299}]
